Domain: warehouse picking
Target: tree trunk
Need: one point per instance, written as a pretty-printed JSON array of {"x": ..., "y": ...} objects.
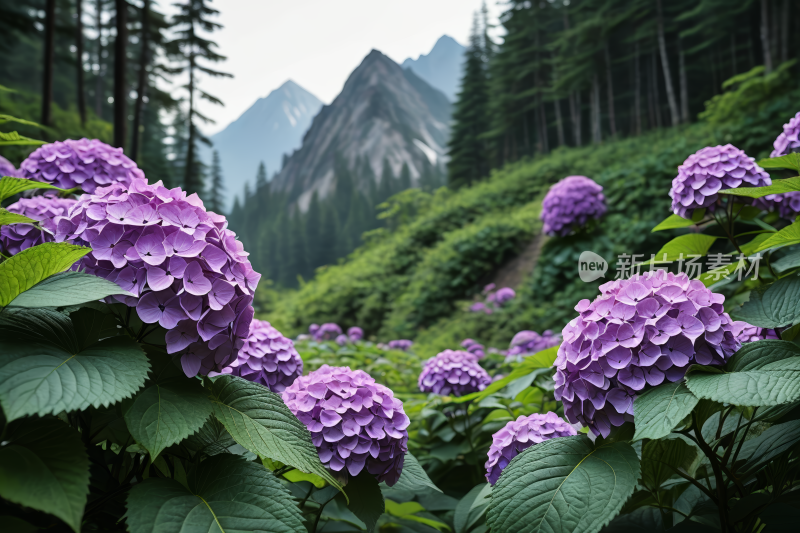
[
  {"x": 612, "y": 118},
  {"x": 543, "y": 128},
  {"x": 559, "y": 122},
  {"x": 683, "y": 84},
  {"x": 49, "y": 58},
  {"x": 733, "y": 55},
  {"x": 750, "y": 51},
  {"x": 98, "y": 79},
  {"x": 785, "y": 32},
  {"x": 637, "y": 92},
  {"x": 79, "y": 55},
  {"x": 595, "y": 110},
  {"x": 141, "y": 85},
  {"x": 656, "y": 95},
  {"x": 662, "y": 47},
  {"x": 575, "y": 112},
  {"x": 120, "y": 87},
  {"x": 189, "y": 169},
  {"x": 765, "y": 37}
]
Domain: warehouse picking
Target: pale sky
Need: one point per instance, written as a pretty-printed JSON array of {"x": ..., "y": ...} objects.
[{"x": 318, "y": 43}]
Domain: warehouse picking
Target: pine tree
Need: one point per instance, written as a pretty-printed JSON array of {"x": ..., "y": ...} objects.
[
  {"x": 405, "y": 177},
  {"x": 189, "y": 48},
  {"x": 313, "y": 230},
  {"x": 216, "y": 193},
  {"x": 469, "y": 158},
  {"x": 261, "y": 176}
]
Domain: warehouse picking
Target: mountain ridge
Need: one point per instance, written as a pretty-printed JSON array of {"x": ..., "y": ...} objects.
[{"x": 442, "y": 67}]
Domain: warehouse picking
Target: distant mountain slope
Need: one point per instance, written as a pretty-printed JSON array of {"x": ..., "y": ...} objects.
[
  {"x": 383, "y": 114},
  {"x": 442, "y": 67},
  {"x": 271, "y": 127}
]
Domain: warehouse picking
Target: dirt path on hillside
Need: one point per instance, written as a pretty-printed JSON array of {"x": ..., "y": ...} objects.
[{"x": 512, "y": 273}]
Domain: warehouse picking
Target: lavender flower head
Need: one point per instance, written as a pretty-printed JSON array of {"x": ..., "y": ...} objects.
[
  {"x": 570, "y": 203},
  {"x": 342, "y": 339},
  {"x": 480, "y": 307},
  {"x": 453, "y": 373},
  {"x": 327, "y": 332},
  {"x": 488, "y": 288},
  {"x": 267, "y": 357},
  {"x": 745, "y": 332},
  {"x": 503, "y": 296},
  {"x": 637, "y": 334},
  {"x": 313, "y": 328},
  {"x": 85, "y": 163},
  {"x": 788, "y": 141},
  {"x": 710, "y": 170},
  {"x": 527, "y": 343},
  {"x": 473, "y": 347},
  {"x": 7, "y": 169},
  {"x": 17, "y": 237},
  {"x": 186, "y": 270},
  {"x": 355, "y": 333},
  {"x": 400, "y": 344},
  {"x": 520, "y": 434},
  {"x": 354, "y": 422}
]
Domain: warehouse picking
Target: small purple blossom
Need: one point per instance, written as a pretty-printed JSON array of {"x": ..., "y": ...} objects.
[
  {"x": 488, "y": 288},
  {"x": 503, "y": 296},
  {"x": 312, "y": 329},
  {"x": 355, "y": 334},
  {"x": 453, "y": 373},
  {"x": 473, "y": 347},
  {"x": 355, "y": 423},
  {"x": 570, "y": 204},
  {"x": 480, "y": 307},
  {"x": 327, "y": 332},
  {"x": 521, "y": 434},
  {"x": 637, "y": 334},
  {"x": 267, "y": 357},
  {"x": 788, "y": 141},
  {"x": 745, "y": 333},
  {"x": 187, "y": 271},
  {"x": 527, "y": 343},
  {"x": 7, "y": 169},
  {"x": 84, "y": 163},
  {"x": 710, "y": 170},
  {"x": 786, "y": 204},
  {"x": 400, "y": 344},
  {"x": 342, "y": 339},
  {"x": 17, "y": 237}
]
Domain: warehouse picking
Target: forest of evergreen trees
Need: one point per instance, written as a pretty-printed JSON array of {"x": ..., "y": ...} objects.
[{"x": 573, "y": 72}]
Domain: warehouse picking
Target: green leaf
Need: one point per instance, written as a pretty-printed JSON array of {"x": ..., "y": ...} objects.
[
  {"x": 413, "y": 478},
  {"x": 365, "y": 498},
  {"x": 751, "y": 247},
  {"x": 225, "y": 493},
  {"x": 790, "y": 161},
  {"x": 786, "y": 237},
  {"x": 7, "y": 217},
  {"x": 51, "y": 367},
  {"x": 10, "y": 186},
  {"x": 43, "y": 465},
  {"x": 754, "y": 355},
  {"x": 774, "y": 383},
  {"x": 777, "y": 187},
  {"x": 677, "y": 221},
  {"x": 211, "y": 439},
  {"x": 12, "y": 138},
  {"x": 408, "y": 511},
  {"x": 8, "y": 118},
  {"x": 661, "y": 458},
  {"x": 167, "y": 412},
  {"x": 547, "y": 487},
  {"x": 467, "y": 512},
  {"x": 772, "y": 306},
  {"x": 659, "y": 410},
  {"x": 67, "y": 288},
  {"x": 22, "y": 271},
  {"x": 543, "y": 359},
  {"x": 688, "y": 245},
  {"x": 259, "y": 420},
  {"x": 777, "y": 440},
  {"x": 787, "y": 262},
  {"x": 642, "y": 519}
]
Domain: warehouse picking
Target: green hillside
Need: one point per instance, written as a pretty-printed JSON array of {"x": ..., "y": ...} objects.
[{"x": 416, "y": 278}]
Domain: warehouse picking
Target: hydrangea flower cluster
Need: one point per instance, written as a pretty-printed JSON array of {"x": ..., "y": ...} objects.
[
  {"x": 745, "y": 333},
  {"x": 342, "y": 339},
  {"x": 17, "y": 237},
  {"x": 710, "y": 170},
  {"x": 480, "y": 307},
  {"x": 473, "y": 347},
  {"x": 7, "y": 169},
  {"x": 453, "y": 373},
  {"x": 789, "y": 140},
  {"x": 637, "y": 333},
  {"x": 529, "y": 342},
  {"x": 325, "y": 332},
  {"x": 400, "y": 344},
  {"x": 570, "y": 203},
  {"x": 267, "y": 357},
  {"x": 502, "y": 296},
  {"x": 355, "y": 333},
  {"x": 354, "y": 422},
  {"x": 85, "y": 163},
  {"x": 186, "y": 270},
  {"x": 521, "y": 434}
]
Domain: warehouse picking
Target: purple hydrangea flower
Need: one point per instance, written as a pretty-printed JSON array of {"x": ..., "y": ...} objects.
[
  {"x": 400, "y": 344},
  {"x": 342, "y": 339},
  {"x": 570, "y": 203},
  {"x": 503, "y": 296},
  {"x": 313, "y": 328},
  {"x": 354, "y": 422},
  {"x": 710, "y": 170},
  {"x": 17, "y": 237},
  {"x": 473, "y": 347},
  {"x": 788, "y": 141},
  {"x": 326, "y": 332},
  {"x": 267, "y": 357},
  {"x": 529, "y": 342},
  {"x": 186, "y": 270},
  {"x": 453, "y": 373},
  {"x": 479, "y": 307},
  {"x": 85, "y": 163},
  {"x": 355, "y": 334},
  {"x": 745, "y": 332},
  {"x": 520, "y": 434},
  {"x": 488, "y": 288},
  {"x": 637, "y": 334},
  {"x": 7, "y": 169}
]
